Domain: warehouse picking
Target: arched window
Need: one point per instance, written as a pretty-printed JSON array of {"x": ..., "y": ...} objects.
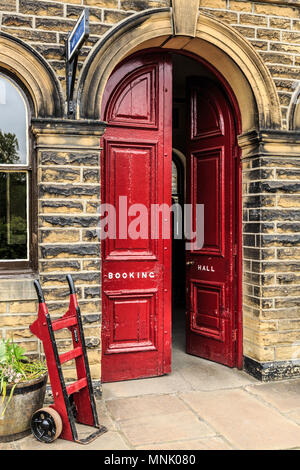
[
  {"x": 15, "y": 177},
  {"x": 177, "y": 179}
]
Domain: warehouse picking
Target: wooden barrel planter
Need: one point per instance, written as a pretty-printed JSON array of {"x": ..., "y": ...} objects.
[{"x": 27, "y": 398}]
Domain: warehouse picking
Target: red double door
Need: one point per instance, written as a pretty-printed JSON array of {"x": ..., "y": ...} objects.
[{"x": 136, "y": 241}]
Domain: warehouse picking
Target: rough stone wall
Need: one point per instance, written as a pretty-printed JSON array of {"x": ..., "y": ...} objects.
[
  {"x": 274, "y": 31},
  {"x": 69, "y": 197},
  {"x": 271, "y": 254},
  {"x": 15, "y": 317}
]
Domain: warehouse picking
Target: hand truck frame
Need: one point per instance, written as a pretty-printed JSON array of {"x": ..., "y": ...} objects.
[{"x": 72, "y": 403}]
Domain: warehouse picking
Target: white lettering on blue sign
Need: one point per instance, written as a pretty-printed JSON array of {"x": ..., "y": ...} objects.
[{"x": 79, "y": 33}]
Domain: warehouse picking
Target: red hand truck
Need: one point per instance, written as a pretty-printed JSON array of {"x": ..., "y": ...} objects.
[{"x": 74, "y": 402}]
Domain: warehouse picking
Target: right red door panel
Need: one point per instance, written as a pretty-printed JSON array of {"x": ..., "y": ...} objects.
[{"x": 211, "y": 332}]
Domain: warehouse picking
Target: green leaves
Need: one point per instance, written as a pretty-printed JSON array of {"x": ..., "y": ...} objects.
[
  {"x": 11, "y": 352},
  {"x": 4, "y": 395},
  {"x": 9, "y": 147},
  {"x": 2, "y": 351},
  {"x": 15, "y": 368}
]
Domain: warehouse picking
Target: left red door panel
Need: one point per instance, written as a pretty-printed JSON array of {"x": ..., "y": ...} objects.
[{"x": 136, "y": 255}]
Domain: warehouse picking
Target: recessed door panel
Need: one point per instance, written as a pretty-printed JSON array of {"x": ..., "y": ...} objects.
[
  {"x": 131, "y": 320},
  {"x": 134, "y": 102},
  {"x": 208, "y": 166},
  {"x": 207, "y": 308},
  {"x": 131, "y": 170},
  {"x": 209, "y": 122}
]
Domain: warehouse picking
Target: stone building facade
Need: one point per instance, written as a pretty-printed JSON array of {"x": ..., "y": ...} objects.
[{"x": 255, "y": 46}]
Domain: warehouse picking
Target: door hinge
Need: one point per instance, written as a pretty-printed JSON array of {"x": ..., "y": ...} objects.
[{"x": 234, "y": 335}]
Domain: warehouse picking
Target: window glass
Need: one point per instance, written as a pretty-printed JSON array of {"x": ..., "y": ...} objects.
[
  {"x": 13, "y": 216},
  {"x": 13, "y": 124},
  {"x": 174, "y": 178}
]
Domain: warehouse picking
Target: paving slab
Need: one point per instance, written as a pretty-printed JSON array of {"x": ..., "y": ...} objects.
[
  {"x": 108, "y": 441},
  {"x": 104, "y": 417},
  {"x": 243, "y": 420},
  {"x": 164, "y": 428},
  {"x": 130, "y": 409},
  {"x": 294, "y": 416},
  {"x": 285, "y": 396},
  {"x": 156, "y": 419},
  {"x": 201, "y": 374},
  {"x": 210, "y": 443},
  {"x": 218, "y": 377}
]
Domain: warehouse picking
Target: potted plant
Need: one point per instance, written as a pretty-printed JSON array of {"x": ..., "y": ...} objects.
[{"x": 22, "y": 390}]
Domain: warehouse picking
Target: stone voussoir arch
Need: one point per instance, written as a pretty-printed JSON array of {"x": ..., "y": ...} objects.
[
  {"x": 37, "y": 77},
  {"x": 294, "y": 111},
  {"x": 219, "y": 44}
]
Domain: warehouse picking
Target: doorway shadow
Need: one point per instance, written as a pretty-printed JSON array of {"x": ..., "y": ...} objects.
[{"x": 178, "y": 328}]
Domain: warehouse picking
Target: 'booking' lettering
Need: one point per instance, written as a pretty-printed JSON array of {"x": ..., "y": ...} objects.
[{"x": 131, "y": 275}]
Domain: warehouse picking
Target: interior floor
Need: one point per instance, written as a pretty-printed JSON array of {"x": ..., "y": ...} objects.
[{"x": 189, "y": 373}]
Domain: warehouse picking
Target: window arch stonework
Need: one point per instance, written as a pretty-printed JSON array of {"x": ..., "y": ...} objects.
[{"x": 36, "y": 76}]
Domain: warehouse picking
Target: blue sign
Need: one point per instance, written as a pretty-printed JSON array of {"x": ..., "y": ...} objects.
[{"x": 79, "y": 34}]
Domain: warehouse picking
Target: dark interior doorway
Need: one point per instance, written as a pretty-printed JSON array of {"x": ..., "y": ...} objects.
[{"x": 183, "y": 68}]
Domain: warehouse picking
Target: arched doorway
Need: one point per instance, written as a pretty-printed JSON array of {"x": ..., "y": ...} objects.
[{"x": 141, "y": 96}]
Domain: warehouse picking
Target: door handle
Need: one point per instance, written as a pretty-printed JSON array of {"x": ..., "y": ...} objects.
[{"x": 190, "y": 263}]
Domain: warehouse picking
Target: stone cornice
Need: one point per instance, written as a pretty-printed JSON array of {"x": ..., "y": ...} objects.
[
  {"x": 67, "y": 134},
  {"x": 270, "y": 142},
  {"x": 67, "y": 126}
]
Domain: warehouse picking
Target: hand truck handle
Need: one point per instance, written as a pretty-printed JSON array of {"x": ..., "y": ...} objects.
[
  {"x": 39, "y": 291},
  {"x": 71, "y": 284}
]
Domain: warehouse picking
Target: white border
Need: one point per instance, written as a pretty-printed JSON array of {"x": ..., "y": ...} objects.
[
  {"x": 16, "y": 166},
  {"x": 82, "y": 16},
  {"x": 19, "y": 90}
]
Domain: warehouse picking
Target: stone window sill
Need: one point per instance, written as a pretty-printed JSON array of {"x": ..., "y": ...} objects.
[{"x": 17, "y": 287}]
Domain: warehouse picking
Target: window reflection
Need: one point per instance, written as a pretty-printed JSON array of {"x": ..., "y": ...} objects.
[
  {"x": 13, "y": 124},
  {"x": 13, "y": 216}
]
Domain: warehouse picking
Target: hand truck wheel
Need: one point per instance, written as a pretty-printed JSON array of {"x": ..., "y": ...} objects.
[{"x": 46, "y": 425}]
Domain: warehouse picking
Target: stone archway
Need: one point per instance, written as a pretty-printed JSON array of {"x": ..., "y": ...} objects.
[
  {"x": 220, "y": 45},
  {"x": 294, "y": 111}
]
